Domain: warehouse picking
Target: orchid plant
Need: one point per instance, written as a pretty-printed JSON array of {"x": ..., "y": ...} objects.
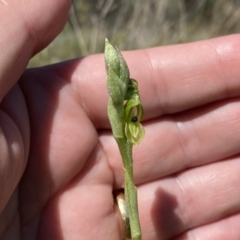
[{"x": 125, "y": 112}]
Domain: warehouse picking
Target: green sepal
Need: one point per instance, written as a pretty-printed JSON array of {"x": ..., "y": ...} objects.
[{"x": 134, "y": 132}]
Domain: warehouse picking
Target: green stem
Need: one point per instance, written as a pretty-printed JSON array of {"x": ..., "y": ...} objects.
[{"x": 129, "y": 188}]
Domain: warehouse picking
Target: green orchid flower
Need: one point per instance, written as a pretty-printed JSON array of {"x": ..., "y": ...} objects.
[{"x": 133, "y": 114}]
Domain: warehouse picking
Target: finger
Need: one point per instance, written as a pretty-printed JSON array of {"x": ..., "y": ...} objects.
[
  {"x": 174, "y": 143},
  {"x": 26, "y": 27},
  {"x": 193, "y": 198},
  {"x": 62, "y": 138},
  {"x": 227, "y": 228},
  {"x": 171, "y": 79}
]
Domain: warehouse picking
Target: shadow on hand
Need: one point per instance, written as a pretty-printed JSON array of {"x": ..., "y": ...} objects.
[{"x": 164, "y": 215}]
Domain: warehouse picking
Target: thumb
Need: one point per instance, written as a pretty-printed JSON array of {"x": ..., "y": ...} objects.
[{"x": 26, "y": 27}]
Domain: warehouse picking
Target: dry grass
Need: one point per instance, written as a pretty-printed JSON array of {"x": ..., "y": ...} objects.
[{"x": 134, "y": 24}]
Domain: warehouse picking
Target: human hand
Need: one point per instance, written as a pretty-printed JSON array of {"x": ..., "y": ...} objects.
[{"x": 186, "y": 168}]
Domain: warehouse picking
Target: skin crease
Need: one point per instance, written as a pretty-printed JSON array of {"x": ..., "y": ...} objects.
[{"x": 59, "y": 163}]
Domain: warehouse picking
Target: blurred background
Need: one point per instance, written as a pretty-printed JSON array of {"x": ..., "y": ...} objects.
[{"x": 134, "y": 24}]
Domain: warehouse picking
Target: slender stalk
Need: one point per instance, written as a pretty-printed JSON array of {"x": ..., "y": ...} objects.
[
  {"x": 125, "y": 113},
  {"x": 129, "y": 188}
]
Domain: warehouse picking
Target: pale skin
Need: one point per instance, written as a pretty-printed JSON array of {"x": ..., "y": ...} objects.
[{"x": 187, "y": 168}]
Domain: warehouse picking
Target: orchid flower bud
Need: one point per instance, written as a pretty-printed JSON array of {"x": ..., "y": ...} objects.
[{"x": 118, "y": 73}]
